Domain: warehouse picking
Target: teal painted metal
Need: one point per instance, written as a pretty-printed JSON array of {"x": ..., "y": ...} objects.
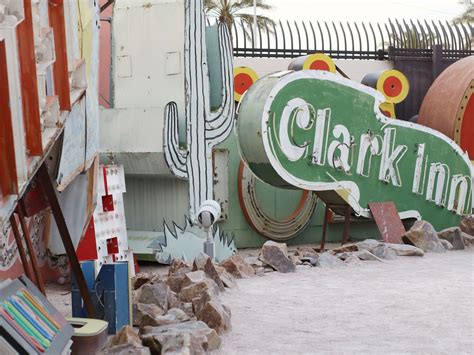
[
  {"x": 214, "y": 64},
  {"x": 318, "y": 131}
]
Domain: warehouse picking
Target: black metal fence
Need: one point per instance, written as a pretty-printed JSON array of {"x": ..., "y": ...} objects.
[{"x": 352, "y": 40}]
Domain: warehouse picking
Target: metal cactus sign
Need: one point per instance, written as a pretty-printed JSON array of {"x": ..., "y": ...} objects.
[{"x": 315, "y": 130}]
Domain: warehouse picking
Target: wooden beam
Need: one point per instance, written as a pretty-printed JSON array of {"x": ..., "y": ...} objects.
[
  {"x": 29, "y": 83},
  {"x": 8, "y": 176},
  {"x": 60, "y": 67},
  {"x": 47, "y": 185}
]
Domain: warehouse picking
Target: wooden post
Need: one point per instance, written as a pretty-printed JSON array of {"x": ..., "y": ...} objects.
[
  {"x": 325, "y": 225},
  {"x": 19, "y": 243},
  {"x": 29, "y": 83},
  {"x": 8, "y": 175},
  {"x": 60, "y": 67},
  {"x": 31, "y": 251},
  {"x": 47, "y": 185}
]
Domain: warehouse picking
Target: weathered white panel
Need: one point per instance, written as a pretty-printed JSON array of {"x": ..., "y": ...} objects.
[
  {"x": 73, "y": 202},
  {"x": 74, "y": 146},
  {"x": 131, "y": 130},
  {"x": 140, "y": 76},
  {"x": 92, "y": 99}
]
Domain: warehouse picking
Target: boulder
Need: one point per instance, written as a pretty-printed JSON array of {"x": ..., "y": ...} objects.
[
  {"x": 126, "y": 335},
  {"x": 140, "y": 310},
  {"x": 458, "y": 240},
  {"x": 237, "y": 266},
  {"x": 140, "y": 279},
  {"x": 178, "y": 266},
  {"x": 126, "y": 349},
  {"x": 367, "y": 256},
  {"x": 346, "y": 248},
  {"x": 158, "y": 293},
  {"x": 423, "y": 235},
  {"x": 195, "y": 337},
  {"x": 311, "y": 259},
  {"x": 368, "y": 244},
  {"x": 276, "y": 255},
  {"x": 175, "y": 343},
  {"x": 215, "y": 316},
  {"x": 253, "y": 261},
  {"x": 467, "y": 224},
  {"x": 204, "y": 263},
  {"x": 172, "y": 316},
  {"x": 468, "y": 240},
  {"x": 304, "y": 250},
  {"x": 384, "y": 252},
  {"x": 454, "y": 236},
  {"x": 175, "y": 282},
  {"x": 405, "y": 249},
  {"x": 260, "y": 271},
  {"x": 447, "y": 245},
  {"x": 227, "y": 279},
  {"x": 353, "y": 260},
  {"x": 326, "y": 259},
  {"x": 186, "y": 307},
  {"x": 195, "y": 283},
  {"x": 295, "y": 259}
]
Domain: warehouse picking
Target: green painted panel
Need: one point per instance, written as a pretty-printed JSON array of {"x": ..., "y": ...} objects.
[
  {"x": 213, "y": 61},
  {"x": 318, "y": 131}
]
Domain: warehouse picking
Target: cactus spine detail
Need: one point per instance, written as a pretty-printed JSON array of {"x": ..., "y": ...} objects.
[{"x": 204, "y": 129}]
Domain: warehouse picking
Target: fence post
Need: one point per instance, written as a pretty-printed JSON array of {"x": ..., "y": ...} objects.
[{"x": 437, "y": 60}]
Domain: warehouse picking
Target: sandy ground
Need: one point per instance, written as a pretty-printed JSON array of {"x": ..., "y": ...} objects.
[{"x": 409, "y": 305}]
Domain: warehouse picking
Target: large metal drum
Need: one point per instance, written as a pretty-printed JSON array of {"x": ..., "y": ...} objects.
[{"x": 449, "y": 104}]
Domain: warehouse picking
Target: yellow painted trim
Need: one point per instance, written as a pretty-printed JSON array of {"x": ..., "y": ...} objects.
[
  {"x": 400, "y": 76},
  {"x": 244, "y": 70},
  {"x": 319, "y": 57}
]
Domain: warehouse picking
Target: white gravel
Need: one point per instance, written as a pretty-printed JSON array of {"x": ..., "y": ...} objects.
[{"x": 409, "y": 305}]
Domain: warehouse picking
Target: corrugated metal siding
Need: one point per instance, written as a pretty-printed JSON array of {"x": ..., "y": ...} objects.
[{"x": 149, "y": 201}]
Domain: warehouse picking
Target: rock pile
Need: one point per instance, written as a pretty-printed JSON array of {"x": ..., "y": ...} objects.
[{"x": 180, "y": 312}]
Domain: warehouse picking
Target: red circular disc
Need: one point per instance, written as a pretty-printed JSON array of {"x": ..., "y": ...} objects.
[
  {"x": 467, "y": 128},
  {"x": 387, "y": 113},
  {"x": 392, "y": 86},
  {"x": 242, "y": 82},
  {"x": 319, "y": 65}
]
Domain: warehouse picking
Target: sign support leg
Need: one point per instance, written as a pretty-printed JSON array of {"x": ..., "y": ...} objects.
[{"x": 45, "y": 181}]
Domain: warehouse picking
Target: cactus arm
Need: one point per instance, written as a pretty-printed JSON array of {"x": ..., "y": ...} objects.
[
  {"x": 174, "y": 156},
  {"x": 220, "y": 122}
]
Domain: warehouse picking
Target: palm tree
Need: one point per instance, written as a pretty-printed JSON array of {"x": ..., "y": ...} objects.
[
  {"x": 467, "y": 15},
  {"x": 229, "y": 10}
]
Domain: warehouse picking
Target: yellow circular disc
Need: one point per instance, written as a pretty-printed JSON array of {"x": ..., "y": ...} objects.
[
  {"x": 388, "y": 109},
  {"x": 244, "y": 77},
  {"x": 394, "y": 85},
  {"x": 319, "y": 61}
]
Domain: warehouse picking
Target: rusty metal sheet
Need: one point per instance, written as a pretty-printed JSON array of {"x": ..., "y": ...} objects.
[{"x": 388, "y": 221}]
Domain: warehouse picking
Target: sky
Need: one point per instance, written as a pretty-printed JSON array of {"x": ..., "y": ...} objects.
[{"x": 368, "y": 10}]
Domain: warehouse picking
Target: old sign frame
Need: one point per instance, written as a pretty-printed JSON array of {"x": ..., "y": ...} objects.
[{"x": 318, "y": 131}]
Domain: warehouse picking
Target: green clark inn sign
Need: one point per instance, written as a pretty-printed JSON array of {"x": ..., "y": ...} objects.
[{"x": 318, "y": 131}]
